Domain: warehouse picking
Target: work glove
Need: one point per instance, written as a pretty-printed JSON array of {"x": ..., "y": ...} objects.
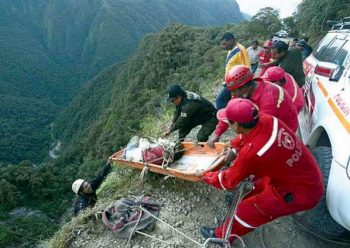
[
  {"x": 212, "y": 141},
  {"x": 209, "y": 177},
  {"x": 166, "y": 132}
]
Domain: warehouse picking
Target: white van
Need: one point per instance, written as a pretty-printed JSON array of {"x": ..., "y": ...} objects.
[{"x": 324, "y": 126}]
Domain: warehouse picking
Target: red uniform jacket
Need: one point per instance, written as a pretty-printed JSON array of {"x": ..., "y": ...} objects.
[
  {"x": 294, "y": 91},
  {"x": 271, "y": 150},
  {"x": 263, "y": 59},
  {"x": 271, "y": 99}
]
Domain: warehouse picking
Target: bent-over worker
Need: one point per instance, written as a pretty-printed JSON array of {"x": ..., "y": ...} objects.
[
  {"x": 191, "y": 110},
  {"x": 286, "y": 180}
]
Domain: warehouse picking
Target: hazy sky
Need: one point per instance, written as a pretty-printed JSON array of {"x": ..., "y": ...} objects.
[{"x": 286, "y": 7}]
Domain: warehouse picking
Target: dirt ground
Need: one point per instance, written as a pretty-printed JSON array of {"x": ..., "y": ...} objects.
[
  {"x": 187, "y": 210},
  {"x": 197, "y": 205}
]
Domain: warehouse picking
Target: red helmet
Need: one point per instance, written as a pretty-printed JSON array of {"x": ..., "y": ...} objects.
[
  {"x": 238, "y": 76},
  {"x": 268, "y": 44},
  {"x": 274, "y": 74},
  {"x": 238, "y": 110}
]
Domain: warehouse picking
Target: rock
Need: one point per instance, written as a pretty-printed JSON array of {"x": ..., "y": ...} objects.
[{"x": 178, "y": 224}]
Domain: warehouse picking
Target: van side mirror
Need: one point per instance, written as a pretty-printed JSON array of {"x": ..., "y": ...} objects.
[{"x": 336, "y": 74}]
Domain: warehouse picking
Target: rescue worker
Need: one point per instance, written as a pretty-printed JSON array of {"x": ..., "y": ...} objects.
[
  {"x": 304, "y": 48},
  {"x": 278, "y": 76},
  {"x": 293, "y": 44},
  {"x": 253, "y": 53},
  {"x": 286, "y": 178},
  {"x": 265, "y": 57},
  {"x": 191, "y": 110},
  {"x": 86, "y": 191},
  {"x": 237, "y": 55},
  {"x": 290, "y": 60},
  {"x": 270, "y": 98}
]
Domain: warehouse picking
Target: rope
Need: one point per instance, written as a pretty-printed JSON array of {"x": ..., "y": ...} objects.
[
  {"x": 263, "y": 244},
  {"x": 240, "y": 239},
  {"x": 189, "y": 238},
  {"x": 262, "y": 237},
  {"x": 145, "y": 168},
  {"x": 305, "y": 228},
  {"x": 182, "y": 150},
  {"x": 152, "y": 237},
  {"x": 144, "y": 171},
  {"x": 233, "y": 209},
  {"x": 133, "y": 230}
]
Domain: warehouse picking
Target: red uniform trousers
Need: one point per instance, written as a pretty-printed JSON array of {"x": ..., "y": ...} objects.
[{"x": 263, "y": 205}]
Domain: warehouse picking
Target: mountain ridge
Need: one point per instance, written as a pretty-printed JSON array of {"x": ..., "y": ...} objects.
[{"x": 51, "y": 48}]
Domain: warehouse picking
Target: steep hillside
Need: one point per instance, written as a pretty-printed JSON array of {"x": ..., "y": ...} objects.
[
  {"x": 33, "y": 85},
  {"x": 123, "y": 100},
  {"x": 98, "y": 33},
  {"x": 49, "y": 48},
  {"x": 178, "y": 54}
]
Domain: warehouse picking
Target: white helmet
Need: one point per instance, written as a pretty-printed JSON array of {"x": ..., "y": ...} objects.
[{"x": 76, "y": 185}]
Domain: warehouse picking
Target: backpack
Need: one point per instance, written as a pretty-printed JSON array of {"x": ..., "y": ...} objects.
[{"x": 124, "y": 217}]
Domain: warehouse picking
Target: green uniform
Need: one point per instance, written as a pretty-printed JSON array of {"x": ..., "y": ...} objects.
[
  {"x": 292, "y": 63},
  {"x": 193, "y": 111}
]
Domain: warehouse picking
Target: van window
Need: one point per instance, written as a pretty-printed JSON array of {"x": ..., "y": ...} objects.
[
  {"x": 323, "y": 45},
  {"x": 341, "y": 55},
  {"x": 328, "y": 54}
]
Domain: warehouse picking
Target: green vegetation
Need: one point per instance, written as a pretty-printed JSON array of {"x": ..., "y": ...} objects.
[
  {"x": 50, "y": 48},
  {"x": 312, "y": 15},
  {"x": 123, "y": 100},
  {"x": 179, "y": 54}
]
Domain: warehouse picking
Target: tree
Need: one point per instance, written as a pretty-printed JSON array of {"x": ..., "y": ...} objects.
[
  {"x": 312, "y": 15},
  {"x": 289, "y": 24},
  {"x": 267, "y": 22}
]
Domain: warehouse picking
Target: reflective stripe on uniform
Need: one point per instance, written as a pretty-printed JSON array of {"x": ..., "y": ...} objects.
[
  {"x": 243, "y": 223},
  {"x": 280, "y": 96},
  {"x": 271, "y": 140},
  {"x": 295, "y": 88},
  {"x": 220, "y": 181}
]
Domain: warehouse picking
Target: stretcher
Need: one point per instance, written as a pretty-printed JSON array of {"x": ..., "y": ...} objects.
[{"x": 196, "y": 157}]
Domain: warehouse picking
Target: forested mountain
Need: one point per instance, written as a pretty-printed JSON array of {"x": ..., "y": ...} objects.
[
  {"x": 111, "y": 109},
  {"x": 49, "y": 48}
]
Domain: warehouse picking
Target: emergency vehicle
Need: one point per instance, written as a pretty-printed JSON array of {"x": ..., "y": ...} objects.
[{"x": 324, "y": 126}]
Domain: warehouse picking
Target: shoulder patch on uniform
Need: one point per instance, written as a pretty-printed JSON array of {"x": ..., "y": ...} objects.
[{"x": 183, "y": 114}]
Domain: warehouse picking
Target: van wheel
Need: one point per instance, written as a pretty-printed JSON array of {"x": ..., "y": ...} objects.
[{"x": 318, "y": 221}]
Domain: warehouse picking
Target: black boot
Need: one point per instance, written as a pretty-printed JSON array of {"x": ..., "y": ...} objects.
[{"x": 209, "y": 233}]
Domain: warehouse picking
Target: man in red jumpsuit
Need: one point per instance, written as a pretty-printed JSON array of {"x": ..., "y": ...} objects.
[
  {"x": 278, "y": 76},
  {"x": 287, "y": 178},
  {"x": 270, "y": 98},
  {"x": 265, "y": 57}
]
